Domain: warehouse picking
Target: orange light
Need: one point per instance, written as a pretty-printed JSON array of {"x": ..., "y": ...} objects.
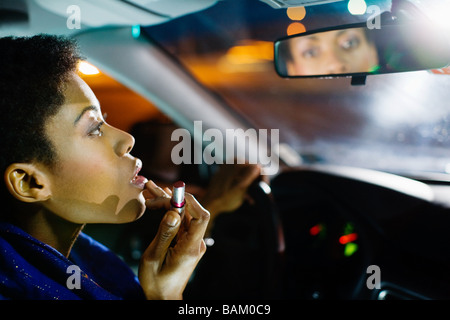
[
  {"x": 445, "y": 70},
  {"x": 348, "y": 238},
  {"x": 296, "y": 13},
  {"x": 248, "y": 52},
  {"x": 295, "y": 28}
]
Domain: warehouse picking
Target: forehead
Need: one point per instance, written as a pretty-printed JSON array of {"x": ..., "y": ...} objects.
[
  {"x": 78, "y": 95},
  {"x": 77, "y": 92}
]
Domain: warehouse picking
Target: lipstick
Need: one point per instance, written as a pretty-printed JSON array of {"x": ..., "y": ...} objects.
[{"x": 177, "y": 201}]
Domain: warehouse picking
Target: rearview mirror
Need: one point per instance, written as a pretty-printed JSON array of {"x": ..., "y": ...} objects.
[{"x": 356, "y": 50}]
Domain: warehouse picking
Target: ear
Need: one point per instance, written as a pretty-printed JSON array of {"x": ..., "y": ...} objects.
[{"x": 27, "y": 182}]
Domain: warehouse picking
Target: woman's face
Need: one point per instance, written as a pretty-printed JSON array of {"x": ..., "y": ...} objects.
[
  {"x": 94, "y": 180},
  {"x": 332, "y": 52}
]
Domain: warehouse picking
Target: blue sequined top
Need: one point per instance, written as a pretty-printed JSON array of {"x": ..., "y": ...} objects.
[{"x": 30, "y": 269}]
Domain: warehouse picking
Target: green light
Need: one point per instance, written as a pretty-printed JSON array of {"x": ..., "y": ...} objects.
[
  {"x": 374, "y": 68},
  {"x": 350, "y": 248},
  {"x": 136, "y": 31}
]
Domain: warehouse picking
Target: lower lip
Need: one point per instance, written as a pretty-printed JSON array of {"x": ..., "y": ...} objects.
[{"x": 139, "y": 182}]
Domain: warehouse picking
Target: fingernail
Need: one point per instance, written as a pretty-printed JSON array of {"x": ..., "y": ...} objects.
[{"x": 172, "y": 220}]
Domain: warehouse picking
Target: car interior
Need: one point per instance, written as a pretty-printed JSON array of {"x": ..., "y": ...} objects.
[{"x": 363, "y": 155}]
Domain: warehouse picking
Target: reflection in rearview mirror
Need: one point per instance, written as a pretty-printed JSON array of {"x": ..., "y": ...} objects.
[{"x": 358, "y": 50}]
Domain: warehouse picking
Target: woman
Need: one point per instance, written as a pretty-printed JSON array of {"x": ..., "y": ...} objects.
[{"x": 63, "y": 167}]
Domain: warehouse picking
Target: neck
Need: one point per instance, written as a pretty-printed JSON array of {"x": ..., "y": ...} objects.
[{"x": 52, "y": 230}]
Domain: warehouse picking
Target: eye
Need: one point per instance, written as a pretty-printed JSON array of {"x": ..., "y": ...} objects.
[
  {"x": 96, "y": 131},
  {"x": 310, "y": 53},
  {"x": 350, "y": 43}
]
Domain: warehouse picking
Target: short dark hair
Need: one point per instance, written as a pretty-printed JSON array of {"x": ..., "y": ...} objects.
[{"x": 33, "y": 73}]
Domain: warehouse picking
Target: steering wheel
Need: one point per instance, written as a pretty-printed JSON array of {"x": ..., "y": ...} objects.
[{"x": 244, "y": 261}]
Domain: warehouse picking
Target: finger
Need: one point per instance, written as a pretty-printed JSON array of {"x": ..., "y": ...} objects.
[
  {"x": 157, "y": 203},
  {"x": 155, "y": 190},
  {"x": 147, "y": 194},
  {"x": 199, "y": 218},
  {"x": 168, "y": 191},
  {"x": 158, "y": 197},
  {"x": 166, "y": 233}
]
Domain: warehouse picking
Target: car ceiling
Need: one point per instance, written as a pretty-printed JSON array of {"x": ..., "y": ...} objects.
[{"x": 28, "y": 17}]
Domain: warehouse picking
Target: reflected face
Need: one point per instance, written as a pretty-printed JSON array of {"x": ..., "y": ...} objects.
[
  {"x": 332, "y": 52},
  {"x": 94, "y": 180}
]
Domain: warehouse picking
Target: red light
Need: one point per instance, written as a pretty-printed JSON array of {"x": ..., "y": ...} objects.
[
  {"x": 315, "y": 230},
  {"x": 348, "y": 238}
]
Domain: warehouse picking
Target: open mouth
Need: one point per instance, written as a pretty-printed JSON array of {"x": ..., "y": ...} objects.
[{"x": 137, "y": 180}]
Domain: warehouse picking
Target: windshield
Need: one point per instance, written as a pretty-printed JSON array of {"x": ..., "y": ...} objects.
[{"x": 396, "y": 123}]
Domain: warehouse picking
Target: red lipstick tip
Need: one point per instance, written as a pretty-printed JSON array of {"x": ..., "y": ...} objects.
[{"x": 179, "y": 184}]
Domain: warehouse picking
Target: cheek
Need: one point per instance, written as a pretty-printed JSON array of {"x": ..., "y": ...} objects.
[
  {"x": 364, "y": 56},
  {"x": 95, "y": 194},
  {"x": 300, "y": 65},
  {"x": 88, "y": 178},
  {"x": 92, "y": 189}
]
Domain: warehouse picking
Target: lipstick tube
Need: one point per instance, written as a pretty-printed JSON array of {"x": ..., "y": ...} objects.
[{"x": 178, "y": 201}]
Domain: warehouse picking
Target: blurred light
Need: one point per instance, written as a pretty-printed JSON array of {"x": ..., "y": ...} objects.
[
  {"x": 436, "y": 11},
  {"x": 350, "y": 249},
  {"x": 209, "y": 242},
  {"x": 87, "y": 69},
  {"x": 289, "y": 155},
  {"x": 136, "y": 31},
  {"x": 251, "y": 52},
  {"x": 357, "y": 7},
  {"x": 445, "y": 71},
  {"x": 265, "y": 187},
  {"x": 296, "y": 13},
  {"x": 348, "y": 238},
  {"x": 315, "y": 230},
  {"x": 295, "y": 28}
]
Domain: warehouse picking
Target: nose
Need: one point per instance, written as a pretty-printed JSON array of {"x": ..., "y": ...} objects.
[
  {"x": 123, "y": 142},
  {"x": 335, "y": 63}
]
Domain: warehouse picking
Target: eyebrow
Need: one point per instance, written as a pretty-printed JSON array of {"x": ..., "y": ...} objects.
[
  {"x": 311, "y": 37},
  {"x": 88, "y": 108},
  {"x": 342, "y": 32}
]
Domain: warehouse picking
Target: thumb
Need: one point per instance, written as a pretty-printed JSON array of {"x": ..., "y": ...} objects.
[{"x": 166, "y": 233}]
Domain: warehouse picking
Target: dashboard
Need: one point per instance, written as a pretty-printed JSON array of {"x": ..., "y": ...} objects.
[
  {"x": 339, "y": 227},
  {"x": 345, "y": 234}
]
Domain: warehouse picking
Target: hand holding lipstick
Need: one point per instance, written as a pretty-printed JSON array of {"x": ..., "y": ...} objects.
[{"x": 164, "y": 270}]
